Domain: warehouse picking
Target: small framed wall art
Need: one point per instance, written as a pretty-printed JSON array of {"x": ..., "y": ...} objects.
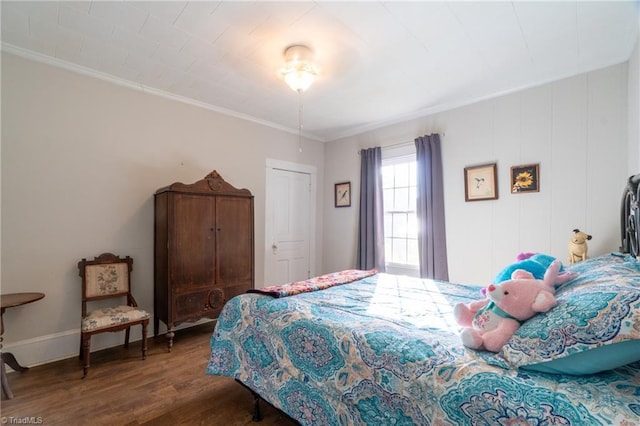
[
  {"x": 481, "y": 182},
  {"x": 343, "y": 194},
  {"x": 525, "y": 178}
]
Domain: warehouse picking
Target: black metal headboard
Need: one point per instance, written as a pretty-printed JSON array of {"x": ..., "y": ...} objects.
[{"x": 630, "y": 217}]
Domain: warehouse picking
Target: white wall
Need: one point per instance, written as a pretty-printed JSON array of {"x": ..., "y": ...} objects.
[
  {"x": 81, "y": 160},
  {"x": 575, "y": 128},
  {"x": 340, "y": 224}
]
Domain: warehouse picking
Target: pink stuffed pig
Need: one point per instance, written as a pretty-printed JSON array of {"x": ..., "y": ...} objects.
[{"x": 490, "y": 323}]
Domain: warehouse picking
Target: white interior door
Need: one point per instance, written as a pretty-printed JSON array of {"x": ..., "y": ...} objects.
[{"x": 289, "y": 226}]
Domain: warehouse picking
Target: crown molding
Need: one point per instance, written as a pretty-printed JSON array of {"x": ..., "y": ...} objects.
[{"x": 79, "y": 69}]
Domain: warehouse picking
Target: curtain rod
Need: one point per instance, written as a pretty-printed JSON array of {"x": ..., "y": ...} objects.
[
  {"x": 396, "y": 144},
  {"x": 393, "y": 145},
  {"x": 390, "y": 146}
]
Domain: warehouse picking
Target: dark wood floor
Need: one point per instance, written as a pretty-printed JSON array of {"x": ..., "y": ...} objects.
[{"x": 122, "y": 389}]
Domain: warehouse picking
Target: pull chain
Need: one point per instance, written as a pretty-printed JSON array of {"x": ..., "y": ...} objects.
[{"x": 300, "y": 111}]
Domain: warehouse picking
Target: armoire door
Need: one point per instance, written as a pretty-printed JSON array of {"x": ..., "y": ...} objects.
[
  {"x": 194, "y": 235},
  {"x": 234, "y": 248}
]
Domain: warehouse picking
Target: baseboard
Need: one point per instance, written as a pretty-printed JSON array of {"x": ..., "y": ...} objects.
[
  {"x": 54, "y": 347},
  {"x": 66, "y": 344}
]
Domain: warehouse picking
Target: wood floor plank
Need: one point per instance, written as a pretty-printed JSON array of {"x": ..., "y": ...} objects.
[{"x": 122, "y": 389}]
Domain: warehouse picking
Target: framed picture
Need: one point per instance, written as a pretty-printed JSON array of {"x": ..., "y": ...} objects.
[
  {"x": 481, "y": 182},
  {"x": 343, "y": 194},
  {"x": 525, "y": 178}
]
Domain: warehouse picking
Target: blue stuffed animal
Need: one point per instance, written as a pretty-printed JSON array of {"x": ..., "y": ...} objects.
[{"x": 536, "y": 264}]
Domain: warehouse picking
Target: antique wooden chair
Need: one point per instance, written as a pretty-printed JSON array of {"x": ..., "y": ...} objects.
[{"x": 108, "y": 276}]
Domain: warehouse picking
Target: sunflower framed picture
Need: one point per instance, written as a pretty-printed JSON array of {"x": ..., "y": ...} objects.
[{"x": 525, "y": 178}]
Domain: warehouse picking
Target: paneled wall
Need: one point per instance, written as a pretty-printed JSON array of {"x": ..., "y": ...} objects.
[{"x": 575, "y": 128}]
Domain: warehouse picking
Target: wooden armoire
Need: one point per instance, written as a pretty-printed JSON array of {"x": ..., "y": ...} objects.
[{"x": 203, "y": 250}]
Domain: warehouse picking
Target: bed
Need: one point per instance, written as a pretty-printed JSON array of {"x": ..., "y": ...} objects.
[{"x": 360, "y": 347}]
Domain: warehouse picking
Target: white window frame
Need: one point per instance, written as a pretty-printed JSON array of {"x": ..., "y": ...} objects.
[{"x": 394, "y": 155}]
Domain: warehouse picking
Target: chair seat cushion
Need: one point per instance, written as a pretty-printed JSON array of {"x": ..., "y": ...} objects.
[{"x": 109, "y": 317}]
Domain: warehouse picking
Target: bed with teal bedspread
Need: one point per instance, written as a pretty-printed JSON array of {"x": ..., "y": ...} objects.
[{"x": 385, "y": 350}]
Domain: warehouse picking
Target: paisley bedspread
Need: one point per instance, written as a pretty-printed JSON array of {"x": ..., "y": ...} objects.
[{"x": 384, "y": 350}]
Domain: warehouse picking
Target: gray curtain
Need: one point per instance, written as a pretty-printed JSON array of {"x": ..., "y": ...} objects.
[
  {"x": 371, "y": 218},
  {"x": 432, "y": 241}
]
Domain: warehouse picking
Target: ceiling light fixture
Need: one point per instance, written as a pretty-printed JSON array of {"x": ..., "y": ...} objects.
[{"x": 299, "y": 71}]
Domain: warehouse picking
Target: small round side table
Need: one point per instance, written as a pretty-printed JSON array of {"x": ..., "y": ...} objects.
[{"x": 12, "y": 300}]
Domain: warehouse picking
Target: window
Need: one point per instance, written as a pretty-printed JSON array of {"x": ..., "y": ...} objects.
[{"x": 400, "y": 221}]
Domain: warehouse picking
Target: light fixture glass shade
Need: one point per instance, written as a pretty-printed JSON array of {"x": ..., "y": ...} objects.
[
  {"x": 299, "y": 71},
  {"x": 299, "y": 79}
]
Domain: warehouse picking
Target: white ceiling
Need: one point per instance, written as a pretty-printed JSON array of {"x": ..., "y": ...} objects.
[{"x": 380, "y": 62}]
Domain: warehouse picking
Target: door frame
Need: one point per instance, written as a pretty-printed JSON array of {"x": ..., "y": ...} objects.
[{"x": 294, "y": 168}]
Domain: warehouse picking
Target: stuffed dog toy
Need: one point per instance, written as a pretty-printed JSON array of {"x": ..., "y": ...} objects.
[
  {"x": 578, "y": 246},
  {"x": 489, "y": 324}
]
